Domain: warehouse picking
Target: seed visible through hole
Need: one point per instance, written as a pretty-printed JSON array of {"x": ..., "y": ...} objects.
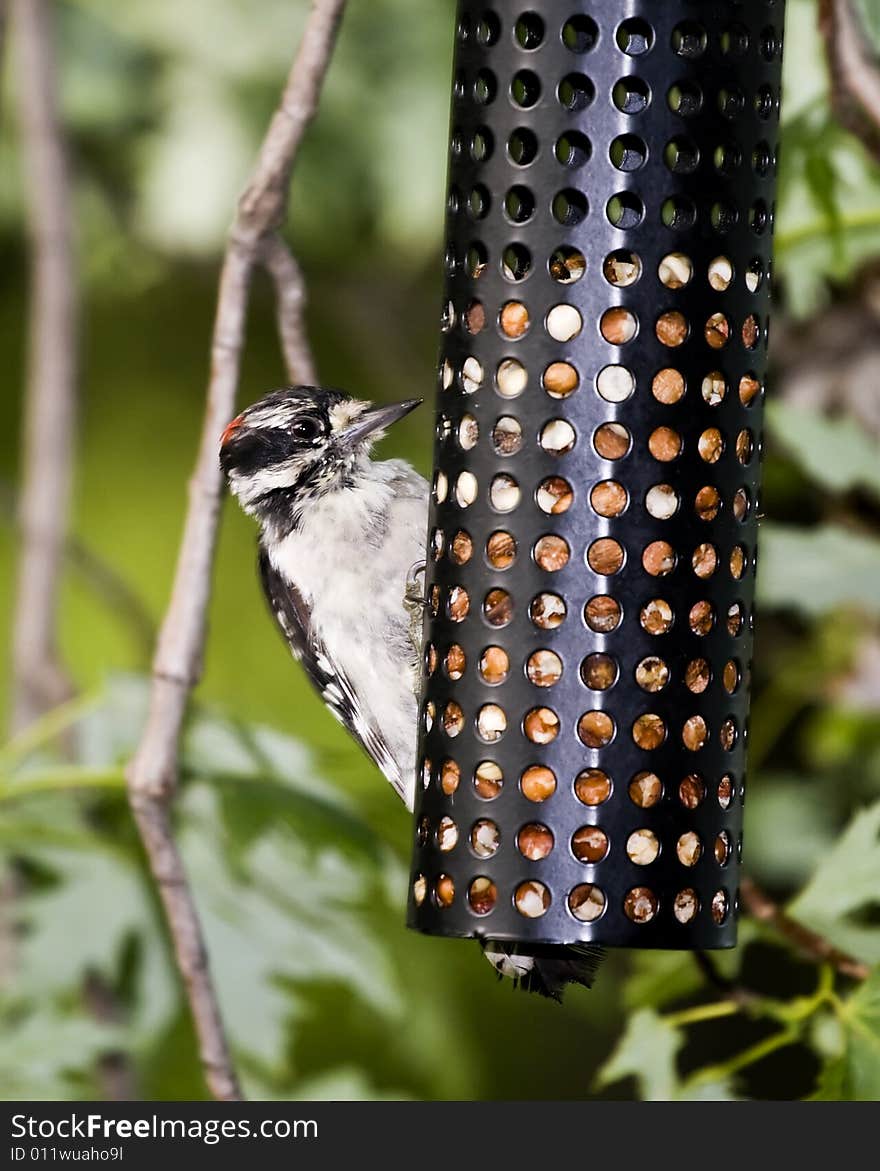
[
  {"x": 642, "y": 847},
  {"x": 720, "y": 274},
  {"x": 506, "y": 436},
  {"x": 453, "y": 719},
  {"x": 455, "y": 662},
  {"x": 645, "y": 790},
  {"x": 491, "y": 723},
  {"x": 458, "y": 604},
  {"x": 640, "y": 904},
  {"x": 649, "y": 731},
  {"x": 707, "y": 503},
  {"x": 532, "y": 899},
  {"x": 498, "y": 607},
  {"x": 656, "y": 616},
  {"x": 544, "y": 668},
  {"x": 691, "y": 791},
  {"x": 541, "y": 725},
  {"x": 592, "y": 787},
  {"x": 586, "y": 902},
  {"x": 564, "y": 322},
  {"x": 671, "y": 329},
  {"x": 511, "y": 378},
  {"x": 547, "y": 611},
  {"x": 618, "y": 326},
  {"x": 462, "y": 548},
  {"x": 420, "y": 889},
  {"x": 701, "y": 618},
  {"x": 667, "y": 386},
  {"x": 599, "y": 671},
  {"x": 725, "y": 791},
  {"x": 612, "y": 441},
  {"x": 695, "y": 733},
  {"x": 504, "y": 493},
  {"x": 686, "y": 905},
  {"x": 494, "y": 664},
  {"x": 658, "y": 558},
  {"x": 714, "y": 388},
  {"x": 447, "y": 834},
  {"x": 704, "y": 560},
  {"x": 485, "y": 838},
  {"x": 697, "y": 675},
  {"x": 444, "y": 891},
  {"x": 675, "y": 270},
  {"x": 608, "y": 498},
  {"x": 450, "y": 777},
  {"x": 661, "y": 501},
  {"x": 719, "y": 907},
  {"x": 465, "y": 489},
  {"x": 602, "y": 614},
  {"x": 689, "y": 848},
  {"x": 482, "y": 895},
  {"x": 652, "y": 674},
  {"x": 514, "y": 319},
  {"x": 534, "y": 841},
  {"x": 567, "y": 265},
  {"x": 471, "y": 375},
  {"x": 710, "y": 445},
  {"x": 596, "y": 729},
  {"x": 501, "y": 550},
  {"x": 664, "y": 444},
  {"x": 605, "y": 556},
  {"x": 538, "y": 783},
  {"x": 721, "y": 848},
  {"x": 557, "y": 437},
  {"x": 551, "y": 553},
  {"x": 737, "y": 562},
  {"x": 554, "y": 495},
  {"x": 621, "y": 268},
  {"x": 589, "y": 844},
  {"x": 560, "y": 379},
  {"x": 615, "y": 384},
  {"x": 488, "y": 780}
]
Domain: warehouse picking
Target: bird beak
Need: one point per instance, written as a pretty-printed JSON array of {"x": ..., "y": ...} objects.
[{"x": 373, "y": 420}]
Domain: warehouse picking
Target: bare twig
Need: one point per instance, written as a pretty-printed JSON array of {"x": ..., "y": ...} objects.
[
  {"x": 39, "y": 681},
  {"x": 152, "y": 774},
  {"x": 290, "y": 298},
  {"x": 855, "y": 72},
  {"x": 759, "y": 904}
]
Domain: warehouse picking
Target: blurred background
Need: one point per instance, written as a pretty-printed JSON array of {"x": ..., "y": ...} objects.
[{"x": 296, "y": 848}]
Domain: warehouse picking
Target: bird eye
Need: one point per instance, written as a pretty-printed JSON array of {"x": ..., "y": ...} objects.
[{"x": 306, "y": 429}]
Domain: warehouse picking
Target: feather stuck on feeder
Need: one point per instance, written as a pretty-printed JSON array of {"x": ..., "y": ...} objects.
[{"x": 593, "y": 524}]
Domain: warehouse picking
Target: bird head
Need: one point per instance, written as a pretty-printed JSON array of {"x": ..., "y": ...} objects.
[{"x": 298, "y": 444}]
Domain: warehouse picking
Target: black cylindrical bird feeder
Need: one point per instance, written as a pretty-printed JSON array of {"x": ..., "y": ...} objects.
[{"x": 591, "y": 554}]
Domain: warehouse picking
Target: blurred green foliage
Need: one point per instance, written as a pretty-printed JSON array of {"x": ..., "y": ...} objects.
[{"x": 296, "y": 849}]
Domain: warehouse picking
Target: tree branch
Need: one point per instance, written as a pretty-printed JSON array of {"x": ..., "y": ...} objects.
[
  {"x": 38, "y": 679},
  {"x": 855, "y": 73},
  {"x": 152, "y": 774},
  {"x": 759, "y": 904}
]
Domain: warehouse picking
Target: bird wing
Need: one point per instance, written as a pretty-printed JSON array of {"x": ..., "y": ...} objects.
[{"x": 292, "y": 614}]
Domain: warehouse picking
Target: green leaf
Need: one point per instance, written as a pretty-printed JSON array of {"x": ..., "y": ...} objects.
[
  {"x": 843, "y": 892},
  {"x": 817, "y": 569},
  {"x": 854, "y": 1076},
  {"x": 838, "y": 453},
  {"x": 48, "y": 1055},
  {"x": 869, "y": 15},
  {"x": 647, "y": 1051}
]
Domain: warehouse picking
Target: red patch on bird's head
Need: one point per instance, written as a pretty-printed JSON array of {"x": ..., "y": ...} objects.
[{"x": 230, "y": 429}]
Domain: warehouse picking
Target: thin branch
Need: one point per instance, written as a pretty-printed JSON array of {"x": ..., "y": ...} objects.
[
  {"x": 815, "y": 947},
  {"x": 290, "y": 301},
  {"x": 38, "y": 679},
  {"x": 855, "y": 72},
  {"x": 152, "y": 774}
]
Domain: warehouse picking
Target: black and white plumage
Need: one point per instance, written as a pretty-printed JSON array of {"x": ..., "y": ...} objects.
[{"x": 339, "y": 535}]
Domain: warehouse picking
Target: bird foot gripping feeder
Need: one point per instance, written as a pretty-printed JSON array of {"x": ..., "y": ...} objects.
[{"x": 591, "y": 554}]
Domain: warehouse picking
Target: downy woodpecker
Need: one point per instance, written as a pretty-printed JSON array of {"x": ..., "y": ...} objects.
[{"x": 339, "y": 536}]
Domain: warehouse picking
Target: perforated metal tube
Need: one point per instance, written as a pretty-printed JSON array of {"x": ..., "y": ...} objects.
[{"x": 592, "y": 535}]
